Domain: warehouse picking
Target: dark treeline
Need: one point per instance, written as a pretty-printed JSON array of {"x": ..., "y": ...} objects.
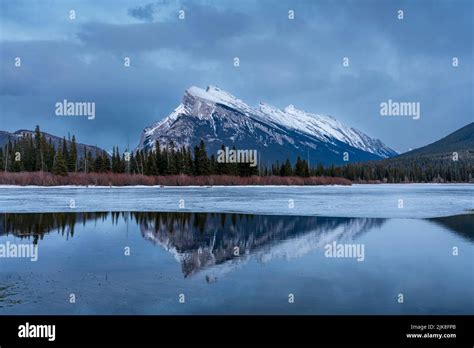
[
  {"x": 37, "y": 225},
  {"x": 26, "y": 225},
  {"x": 423, "y": 169},
  {"x": 35, "y": 153}
]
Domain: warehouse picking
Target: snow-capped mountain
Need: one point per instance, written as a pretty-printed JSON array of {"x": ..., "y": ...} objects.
[
  {"x": 219, "y": 119},
  {"x": 208, "y": 242}
]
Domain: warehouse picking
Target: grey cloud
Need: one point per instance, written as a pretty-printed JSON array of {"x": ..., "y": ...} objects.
[
  {"x": 282, "y": 62},
  {"x": 144, "y": 13}
]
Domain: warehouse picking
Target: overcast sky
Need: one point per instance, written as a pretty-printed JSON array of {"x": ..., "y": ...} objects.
[{"x": 282, "y": 62}]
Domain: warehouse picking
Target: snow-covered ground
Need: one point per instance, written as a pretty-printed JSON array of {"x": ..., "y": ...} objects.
[{"x": 383, "y": 201}]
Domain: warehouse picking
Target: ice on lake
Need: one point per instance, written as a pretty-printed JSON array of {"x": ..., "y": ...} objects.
[{"x": 376, "y": 201}]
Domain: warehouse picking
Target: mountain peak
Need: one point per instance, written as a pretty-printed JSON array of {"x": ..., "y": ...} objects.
[
  {"x": 219, "y": 118},
  {"x": 212, "y": 88},
  {"x": 213, "y": 95},
  {"x": 291, "y": 109}
]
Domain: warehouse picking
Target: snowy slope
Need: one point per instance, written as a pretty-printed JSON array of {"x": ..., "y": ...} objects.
[
  {"x": 220, "y": 118},
  {"x": 325, "y": 128}
]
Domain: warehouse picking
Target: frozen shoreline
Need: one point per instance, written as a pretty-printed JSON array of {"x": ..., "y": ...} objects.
[
  {"x": 365, "y": 200},
  {"x": 218, "y": 186}
]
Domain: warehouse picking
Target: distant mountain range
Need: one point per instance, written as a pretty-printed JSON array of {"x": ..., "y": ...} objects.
[
  {"x": 450, "y": 159},
  {"x": 460, "y": 141},
  {"x": 55, "y": 140},
  {"x": 219, "y": 119}
]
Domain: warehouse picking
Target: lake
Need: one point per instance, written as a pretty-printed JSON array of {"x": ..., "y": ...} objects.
[{"x": 239, "y": 250}]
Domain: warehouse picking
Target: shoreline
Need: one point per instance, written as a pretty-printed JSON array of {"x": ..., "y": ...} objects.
[
  {"x": 222, "y": 186},
  {"x": 465, "y": 213}
]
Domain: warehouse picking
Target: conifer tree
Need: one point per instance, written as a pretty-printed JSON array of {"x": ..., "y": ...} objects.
[
  {"x": 60, "y": 167},
  {"x": 72, "y": 158}
]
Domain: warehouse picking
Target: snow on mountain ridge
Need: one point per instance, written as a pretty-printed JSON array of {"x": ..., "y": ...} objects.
[
  {"x": 324, "y": 127},
  {"x": 218, "y": 107},
  {"x": 216, "y": 95},
  {"x": 167, "y": 120}
]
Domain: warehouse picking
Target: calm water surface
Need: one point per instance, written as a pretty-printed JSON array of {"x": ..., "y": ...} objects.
[{"x": 194, "y": 254}]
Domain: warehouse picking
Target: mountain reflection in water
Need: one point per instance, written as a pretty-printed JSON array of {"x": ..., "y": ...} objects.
[
  {"x": 235, "y": 264},
  {"x": 203, "y": 240}
]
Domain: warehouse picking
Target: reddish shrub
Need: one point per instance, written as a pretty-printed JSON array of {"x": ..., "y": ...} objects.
[{"x": 115, "y": 179}]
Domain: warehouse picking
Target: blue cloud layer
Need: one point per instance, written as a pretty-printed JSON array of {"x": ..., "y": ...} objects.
[{"x": 282, "y": 62}]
